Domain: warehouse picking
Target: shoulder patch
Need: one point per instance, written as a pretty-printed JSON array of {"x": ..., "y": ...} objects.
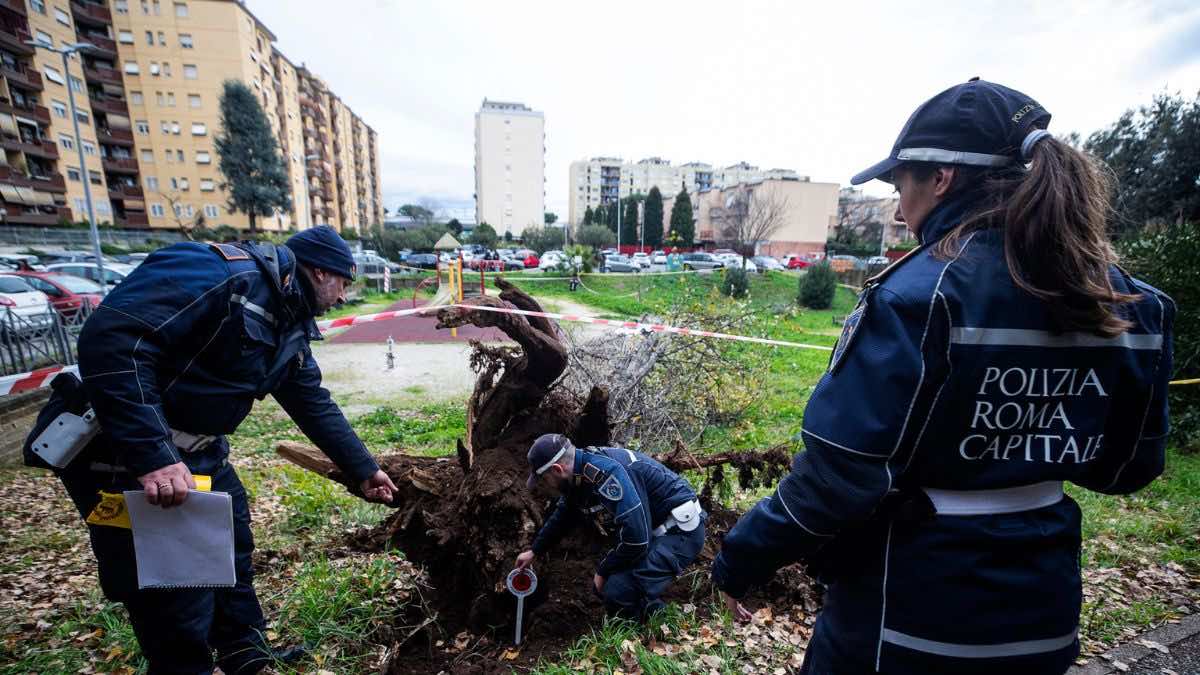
[
  {"x": 849, "y": 331},
  {"x": 592, "y": 473},
  {"x": 611, "y": 489},
  {"x": 230, "y": 252}
]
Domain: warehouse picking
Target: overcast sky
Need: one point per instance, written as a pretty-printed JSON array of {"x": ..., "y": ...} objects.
[{"x": 819, "y": 88}]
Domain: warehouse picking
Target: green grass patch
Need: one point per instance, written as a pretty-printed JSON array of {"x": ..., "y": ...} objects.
[
  {"x": 92, "y": 636},
  {"x": 313, "y": 504},
  {"x": 429, "y": 430}
]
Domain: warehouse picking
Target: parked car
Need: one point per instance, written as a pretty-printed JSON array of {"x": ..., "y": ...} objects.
[
  {"x": 67, "y": 294},
  {"x": 114, "y": 272},
  {"x": 19, "y": 261},
  {"x": 733, "y": 262},
  {"x": 701, "y": 261},
  {"x": 552, "y": 260},
  {"x": 57, "y": 257},
  {"x": 878, "y": 260},
  {"x": 642, "y": 259},
  {"x": 370, "y": 264},
  {"x": 766, "y": 262},
  {"x": 619, "y": 263},
  {"x": 425, "y": 261},
  {"x": 658, "y": 257},
  {"x": 133, "y": 259},
  {"x": 796, "y": 262},
  {"x": 530, "y": 258},
  {"x": 30, "y": 307},
  {"x": 845, "y": 263}
]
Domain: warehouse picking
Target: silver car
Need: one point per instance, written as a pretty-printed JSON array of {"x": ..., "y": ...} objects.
[{"x": 701, "y": 261}]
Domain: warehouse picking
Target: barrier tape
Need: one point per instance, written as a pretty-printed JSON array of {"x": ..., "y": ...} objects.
[{"x": 16, "y": 384}]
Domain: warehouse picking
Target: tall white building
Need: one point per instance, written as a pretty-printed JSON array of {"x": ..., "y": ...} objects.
[
  {"x": 510, "y": 166},
  {"x": 601, "y": 180}
]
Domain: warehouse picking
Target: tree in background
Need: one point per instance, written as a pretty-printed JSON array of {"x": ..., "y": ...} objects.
[
  {"x": 596, "y": 236},
  {"x": 611, "y": 214},
  {"x": 683, "y": 229},
  {"x": 484, "y": 235},
  {"x": 255, "y": 177},
  {"x": 629, "y": 220},
  {"x": 191, "y": 226},
  {"x": 748, "y": 217},
  {"x": 1154, "y": 152},
  {"x": 454, "y": 226},
  {"x": 652, "y": 218},
  {"x": 587, "y": 216},
  {"x": 542, "y": 238},
  {"x": 550, "y": 217}
]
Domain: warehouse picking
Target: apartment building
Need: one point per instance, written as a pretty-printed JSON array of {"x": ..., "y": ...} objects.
[
  {"x": 861, "y": 212},
  {"x": 602, "y": 180},
  {"x": 510, "y": 166},
  {"x": 810, "y": 209},
  {"x": 147, "y": 92}
]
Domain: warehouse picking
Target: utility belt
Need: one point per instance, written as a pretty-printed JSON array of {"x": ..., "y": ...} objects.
[
  {"x": 685, "y": 517},
  {"x": 68, "y": 434},
  {"x": 988, "y": 502}
]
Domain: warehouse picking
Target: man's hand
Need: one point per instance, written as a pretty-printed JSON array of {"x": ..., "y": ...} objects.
[
  {"x": 737, "y": 609},
  {"x": 598, "y": 582},
  {"x": 525, "y": 559},
  {"x": 168, "y": 486},
  {"x": 379, "y": 488}
]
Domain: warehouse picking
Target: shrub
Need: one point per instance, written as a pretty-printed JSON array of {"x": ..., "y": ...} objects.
[
  {"x": 817, "y": 286},
  {"x": 1166, "y": 259},
  {"x": 736, "y": 283}
]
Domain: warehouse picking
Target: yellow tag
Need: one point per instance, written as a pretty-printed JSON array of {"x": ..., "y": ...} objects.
[{"x": 111, "y": 511}]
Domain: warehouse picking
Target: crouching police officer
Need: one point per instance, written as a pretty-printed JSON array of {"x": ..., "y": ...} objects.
[
  {"x": 1006, "y": 355},
  {"x": 171, "y": 361},
  {"x": 660, "y": 525}
]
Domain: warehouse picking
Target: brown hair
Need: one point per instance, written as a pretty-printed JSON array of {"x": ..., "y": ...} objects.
[{"x": 1054, "y": 217}]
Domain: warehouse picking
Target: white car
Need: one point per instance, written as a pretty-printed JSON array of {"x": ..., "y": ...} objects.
[
  {"x": 659, "y": 257},
  {"x": 551, "y": 260},
  {"x": 733, "y": 260},
  {"x": 30, "y": 307},
  {"x": 765, "y": 262},
  {"x": 642, "y": 259},
  {"x": 114, "y": 273}
]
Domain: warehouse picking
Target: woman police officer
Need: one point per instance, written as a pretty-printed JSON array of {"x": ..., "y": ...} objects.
[{"x": 1004, "y": 356}]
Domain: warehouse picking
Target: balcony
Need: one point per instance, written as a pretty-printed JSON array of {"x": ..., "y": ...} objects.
[
  {"x": 132, "y": 219},
  {"x": 103, "y": 44},
  {"x": 123, "y": 192},
  {"x": 43, "y": 149},
  {"x": 37, "y": 112},
  {"x": 123, "y": 165},
  {"x": 13, "y": 37},
  {"x": 39, "y": 218},
  {"x": 17, "y": 6},
  {"x": 22, "y": 76},
  {"x": 51, "y": 183},
  {"x": 88, "y": 13},
  {"x": 115, "y": 136},
  {"x": 103, "y": 75},
  {"x": 114, "y": 106}
]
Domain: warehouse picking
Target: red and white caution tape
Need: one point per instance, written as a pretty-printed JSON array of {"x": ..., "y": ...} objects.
[
  {"x": 15, "y": 384},
  {"x": 345, "y": 321}
]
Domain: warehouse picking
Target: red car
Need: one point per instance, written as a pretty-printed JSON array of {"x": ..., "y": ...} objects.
[
  {"x": 529, "y": 258},
  {"x": 66, "y": 293},
  {"x": 796, "y": 262}
]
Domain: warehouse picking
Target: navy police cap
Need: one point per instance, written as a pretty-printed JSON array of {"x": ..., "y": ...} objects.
[
  {"x": 545, "y": 451},
  {"x": 977, "y": 123}
]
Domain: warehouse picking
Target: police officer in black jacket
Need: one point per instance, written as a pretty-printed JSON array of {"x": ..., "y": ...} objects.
[{"x": 172, "y": 361}]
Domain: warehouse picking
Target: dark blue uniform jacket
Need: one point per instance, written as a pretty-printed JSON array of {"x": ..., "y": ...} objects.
[
  {"x": 947, "y": 376},
  {"x": 636, "y": 490},
  {"x": 192, "y": 337}
]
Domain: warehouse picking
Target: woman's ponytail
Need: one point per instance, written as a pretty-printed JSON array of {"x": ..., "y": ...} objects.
[{"x": 1054, "y": 217}]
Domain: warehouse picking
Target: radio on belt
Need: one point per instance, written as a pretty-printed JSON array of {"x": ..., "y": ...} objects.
[{"x": 65, "y": 437}]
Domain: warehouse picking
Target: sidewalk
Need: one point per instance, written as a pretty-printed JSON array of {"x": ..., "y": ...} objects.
[{"x": 1145, "y": 654}]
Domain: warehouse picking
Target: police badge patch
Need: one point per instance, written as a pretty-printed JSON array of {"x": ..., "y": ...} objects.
[
  {"x": 849, "y": 332},
  {"x": 611, "y": 489}
]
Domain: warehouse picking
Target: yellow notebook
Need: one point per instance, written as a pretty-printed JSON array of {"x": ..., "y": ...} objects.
[{"x": 111, "y": 511}]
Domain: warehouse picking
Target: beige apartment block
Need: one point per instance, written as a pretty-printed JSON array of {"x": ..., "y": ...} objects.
[
  {"x": 510, "y": 166},
  {"x": 811, "y": 209},
  {"x": 602, "y": 180}
]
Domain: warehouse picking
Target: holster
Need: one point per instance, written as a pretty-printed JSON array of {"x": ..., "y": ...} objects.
[{"x": 67, "y": 396}]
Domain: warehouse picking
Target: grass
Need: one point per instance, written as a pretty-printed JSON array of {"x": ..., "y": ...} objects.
[{"x": 92, "y": 636}]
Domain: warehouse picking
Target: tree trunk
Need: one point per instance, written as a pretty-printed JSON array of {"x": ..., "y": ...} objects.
[{"x": 253, "y": 221}]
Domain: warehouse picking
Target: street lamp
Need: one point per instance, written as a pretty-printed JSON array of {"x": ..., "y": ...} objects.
[
  {"x": 307, "y": 196},
  {"x": 66, "y": 51}
]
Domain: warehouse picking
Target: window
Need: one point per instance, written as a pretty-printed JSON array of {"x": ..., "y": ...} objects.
[
  {"x": 62, "y": 17},
  {"x": 66, "y": 142},
  {"x": 193, "y": 100},
  {"x": 154, "y": 69},
  {"x": 171, "y": 100},
  {"x": 135, "y": 97},
  {"x": 77, "y": 85},
  {"x": 73, "y": 173},
  {"x": 82, "y": 116},
  {"x": 156, "y": 210},
  {"x": 60, "y": 108},
  {"x": 207, "y": 185},
  {"x": 145, "y": 7},
  {"x": 175, "y": 128},
  {"x": 89, "y": 148},
  {"x": 53, "y": 75},
  {"x": 157, "y": 7},
  {"x": 162, "y": 39},
  {"x": 122, "y": 6},
  {"x": 150, "y": 38},
  {"x": 160, "y": 98},
  {"x": 38, "y": 6},
  {"x": 203, "y": 157},
  {"x": 45, "y": 38},
  {"x": 95, "y": 177},
  {"x": 181, "y": 9},
  {"x": 170, "y": 154},
  {"x": 147, "y": 156},
  {"x": 131, "y": 68},
  {"x": 210, "y": 211},
  {"x": 179, "y": 156},
  {"x": 185, "y": 41},
  {"x": 143, "y": 127},
  {"x": 175, "y": 186},
  {"x": 183, "y": 185},
  {"x": 166, "y": 127},
  {"x": 166, "y": 69},
  {"x": 199, "y": 129},
  {"x": 152, "y": 183},
  {"x": 190, "y": 72},
  {"x": 125, "y": 37}
]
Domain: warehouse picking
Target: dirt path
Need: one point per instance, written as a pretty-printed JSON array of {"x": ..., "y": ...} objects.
[{"x": 359, "y": 371}]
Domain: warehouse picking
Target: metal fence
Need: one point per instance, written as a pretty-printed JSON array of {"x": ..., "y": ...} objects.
[
  {"x": 71, "y": 238},
  {"x": 38, "y": 340}
]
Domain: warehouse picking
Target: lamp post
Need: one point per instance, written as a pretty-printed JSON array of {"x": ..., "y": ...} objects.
[
  {"x": 307, "y": 196},
  {"x": 66, "y": 51}
]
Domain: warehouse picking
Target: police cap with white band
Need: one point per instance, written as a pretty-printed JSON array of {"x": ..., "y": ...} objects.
[
  {"x": 545, "y": 451},
  {"x": 976, "y": 123}
]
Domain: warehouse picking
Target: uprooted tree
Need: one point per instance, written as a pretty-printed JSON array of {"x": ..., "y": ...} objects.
[{"x": 465, "y": 519}]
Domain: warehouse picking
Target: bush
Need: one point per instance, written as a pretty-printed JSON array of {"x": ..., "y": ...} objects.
[
  {"x": 596, "y": 236},
  {"x": 736, "y": 283},
  {"x": 817, "y": 286},
  {"x": 1166, "y": 259},
  {"x": 226, "y": 233}
]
